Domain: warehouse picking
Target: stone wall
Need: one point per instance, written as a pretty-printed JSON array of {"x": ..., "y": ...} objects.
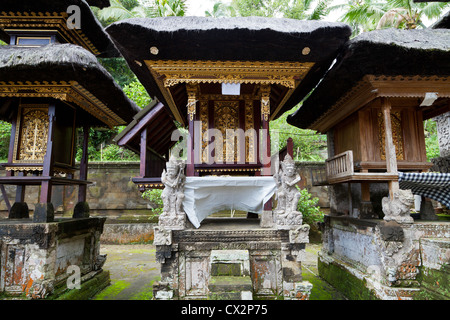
[
  {"x": 443, "y": 131},
  {"x": 385, "y": 260},
  {"x": 111, "y": 194}
]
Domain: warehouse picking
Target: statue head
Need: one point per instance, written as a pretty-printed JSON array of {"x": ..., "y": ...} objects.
[
  {"x": 288, "y": 166},
  {"x": 174, "y": 167}
]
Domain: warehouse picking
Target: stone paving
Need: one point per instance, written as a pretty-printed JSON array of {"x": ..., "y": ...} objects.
[{"x": 133, "y": 269}]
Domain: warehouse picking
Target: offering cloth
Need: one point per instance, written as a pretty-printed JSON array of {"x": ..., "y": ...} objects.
[{"x": 204, "y": 196}]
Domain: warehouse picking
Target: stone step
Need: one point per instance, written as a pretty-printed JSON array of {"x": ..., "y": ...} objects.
[{"x": 230, "y": 288}]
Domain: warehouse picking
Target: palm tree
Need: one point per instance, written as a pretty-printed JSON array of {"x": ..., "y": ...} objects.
[
  {"x": 361, "y": 15},
  {"x": 406, "y": 14},
  {"x": 166, "y": 8},
  {"x": 366, "y": 15},
  {"x": 119, "y": 10},
  {"x": 125, "y": 9},
  {"x": 294, "y": 9},
  {"x": 221, "y": 10}
]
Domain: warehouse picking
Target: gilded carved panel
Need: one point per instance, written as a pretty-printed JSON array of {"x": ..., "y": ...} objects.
[
  {"x": 397, "y": 134},
  {"x": 226, "y": 116},
  {"x": 33, "y": 130}
]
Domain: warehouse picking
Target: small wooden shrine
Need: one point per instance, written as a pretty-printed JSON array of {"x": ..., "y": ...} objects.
[
  {"x": 372, "y": 104},
  {"x": 51, "y": 84},
  {"x": 223, "y": 80},
  {"x": 190, "y": 73}
]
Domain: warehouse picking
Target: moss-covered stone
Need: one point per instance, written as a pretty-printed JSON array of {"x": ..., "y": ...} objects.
[
  {"x": 349, "y": 285},
  {"x": 88, "y": 289},
  {"x": 435, "y": 284}
]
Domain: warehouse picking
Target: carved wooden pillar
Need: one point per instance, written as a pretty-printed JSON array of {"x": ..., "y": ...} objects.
[
  {"x": 265, "y": 113},
  {"x": 391, "y": 157},
  {"x": 192, "y": 91},
  {"x": 84, "y": 165},
  {"x": 46, "y": 186}
]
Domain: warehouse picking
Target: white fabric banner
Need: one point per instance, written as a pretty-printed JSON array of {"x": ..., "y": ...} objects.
[{"x": 206, "y": 195}]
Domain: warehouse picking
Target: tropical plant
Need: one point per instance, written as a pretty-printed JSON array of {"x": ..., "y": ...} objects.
[
  {"x": 154, "y": 196},
  {"x": 407, "y": 14},
  {"x": 308, "y": 206},
  {"x": 361, "y": 15},
  {"x": 221, "y": 10},
  {"x": 294, "y": 9},
  {"x": 307, "y": 143},
  {"x": 136, "y": 92},
  {"x": 431, "y": 139},
  {"x": 5, "y": 134},
  {"x": 126, "y": 9},
  {"x": 367, "y": 15}
]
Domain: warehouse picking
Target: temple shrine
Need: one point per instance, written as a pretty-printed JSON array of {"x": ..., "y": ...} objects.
[
  {"x": 51, "y": 84},
  {"x": 216, "y": 84},
  {"x": 373, "y": 116},
  {"x": 223, "y": 80}
]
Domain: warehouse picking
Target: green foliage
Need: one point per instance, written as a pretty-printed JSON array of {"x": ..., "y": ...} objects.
[
  {"x": 431, "y": 139},
  {"x": 308, "y": 206},
  {"x": 367, "y": 15},
  {"x": 136, "y": 92},
  {"x": 119, "y": 70},
  {"x": 113, "y": 152},
  {"x": 294, "y": 9},
  {"x": 5, "y": 134},
  {"x": 307, "y": 143},
  {"x": 154, "y": 196}
]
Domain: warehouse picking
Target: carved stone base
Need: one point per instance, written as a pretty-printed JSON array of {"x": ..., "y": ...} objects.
[
  {"x": 172, "y": 222},
  {"x": 195, "y": 261},
  {"x": 287, "y": 221}
]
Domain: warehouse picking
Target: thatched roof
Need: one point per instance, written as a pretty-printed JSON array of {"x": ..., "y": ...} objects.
[
  {"x": 387, "y": 52},
  {"x": 90, "y": 26},
  {"x": 229, "y": 39},
  {"x": 63, "y": 62},
  {"x": 443, "y": 22}
]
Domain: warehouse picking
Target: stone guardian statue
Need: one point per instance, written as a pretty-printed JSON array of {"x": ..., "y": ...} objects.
[
  {"x": 173, "y": 217},
  {"x": 288, "y": 195}
]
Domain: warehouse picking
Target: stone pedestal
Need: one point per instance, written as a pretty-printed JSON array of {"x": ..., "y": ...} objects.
[
  {"x": 231, "y": 259},
  {"x": 41, "y": 260}
]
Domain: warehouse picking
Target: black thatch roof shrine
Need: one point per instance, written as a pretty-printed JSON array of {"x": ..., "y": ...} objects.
[
  {"x": 228, "y": 39},
  {"x": 389, "y": 52},
  {"x": 34, "y": 68},
  {"x": 443, "y": 22},
  {"x": 41, "y": 15}
]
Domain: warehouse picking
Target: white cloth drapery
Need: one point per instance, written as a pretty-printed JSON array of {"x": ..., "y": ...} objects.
[{"x": 206, "y": 195}]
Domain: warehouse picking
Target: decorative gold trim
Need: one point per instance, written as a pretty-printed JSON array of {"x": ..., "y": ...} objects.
[
  {"x": 70, "y": 91},
  {"x": 287, "y": 74},
  {"x": 26, "y": 21},
  {"x": 26, "y": 169},
  {"x": 151, "y": 185},
  {"x": 230, "y": 170},
  {"x": 168, "y": 73},
  {"x": 265, "y": 102},
  {"x": 192, "y": 92}
]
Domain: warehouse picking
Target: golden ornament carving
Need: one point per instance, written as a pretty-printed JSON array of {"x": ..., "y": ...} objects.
[{"x": 65, "y": 91}]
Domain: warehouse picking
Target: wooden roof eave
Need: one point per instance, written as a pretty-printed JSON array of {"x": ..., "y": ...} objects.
[{"x": 372, "y": 87}]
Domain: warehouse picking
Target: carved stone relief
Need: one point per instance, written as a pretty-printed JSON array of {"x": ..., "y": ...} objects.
[{"x": 286, "y": 214}]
